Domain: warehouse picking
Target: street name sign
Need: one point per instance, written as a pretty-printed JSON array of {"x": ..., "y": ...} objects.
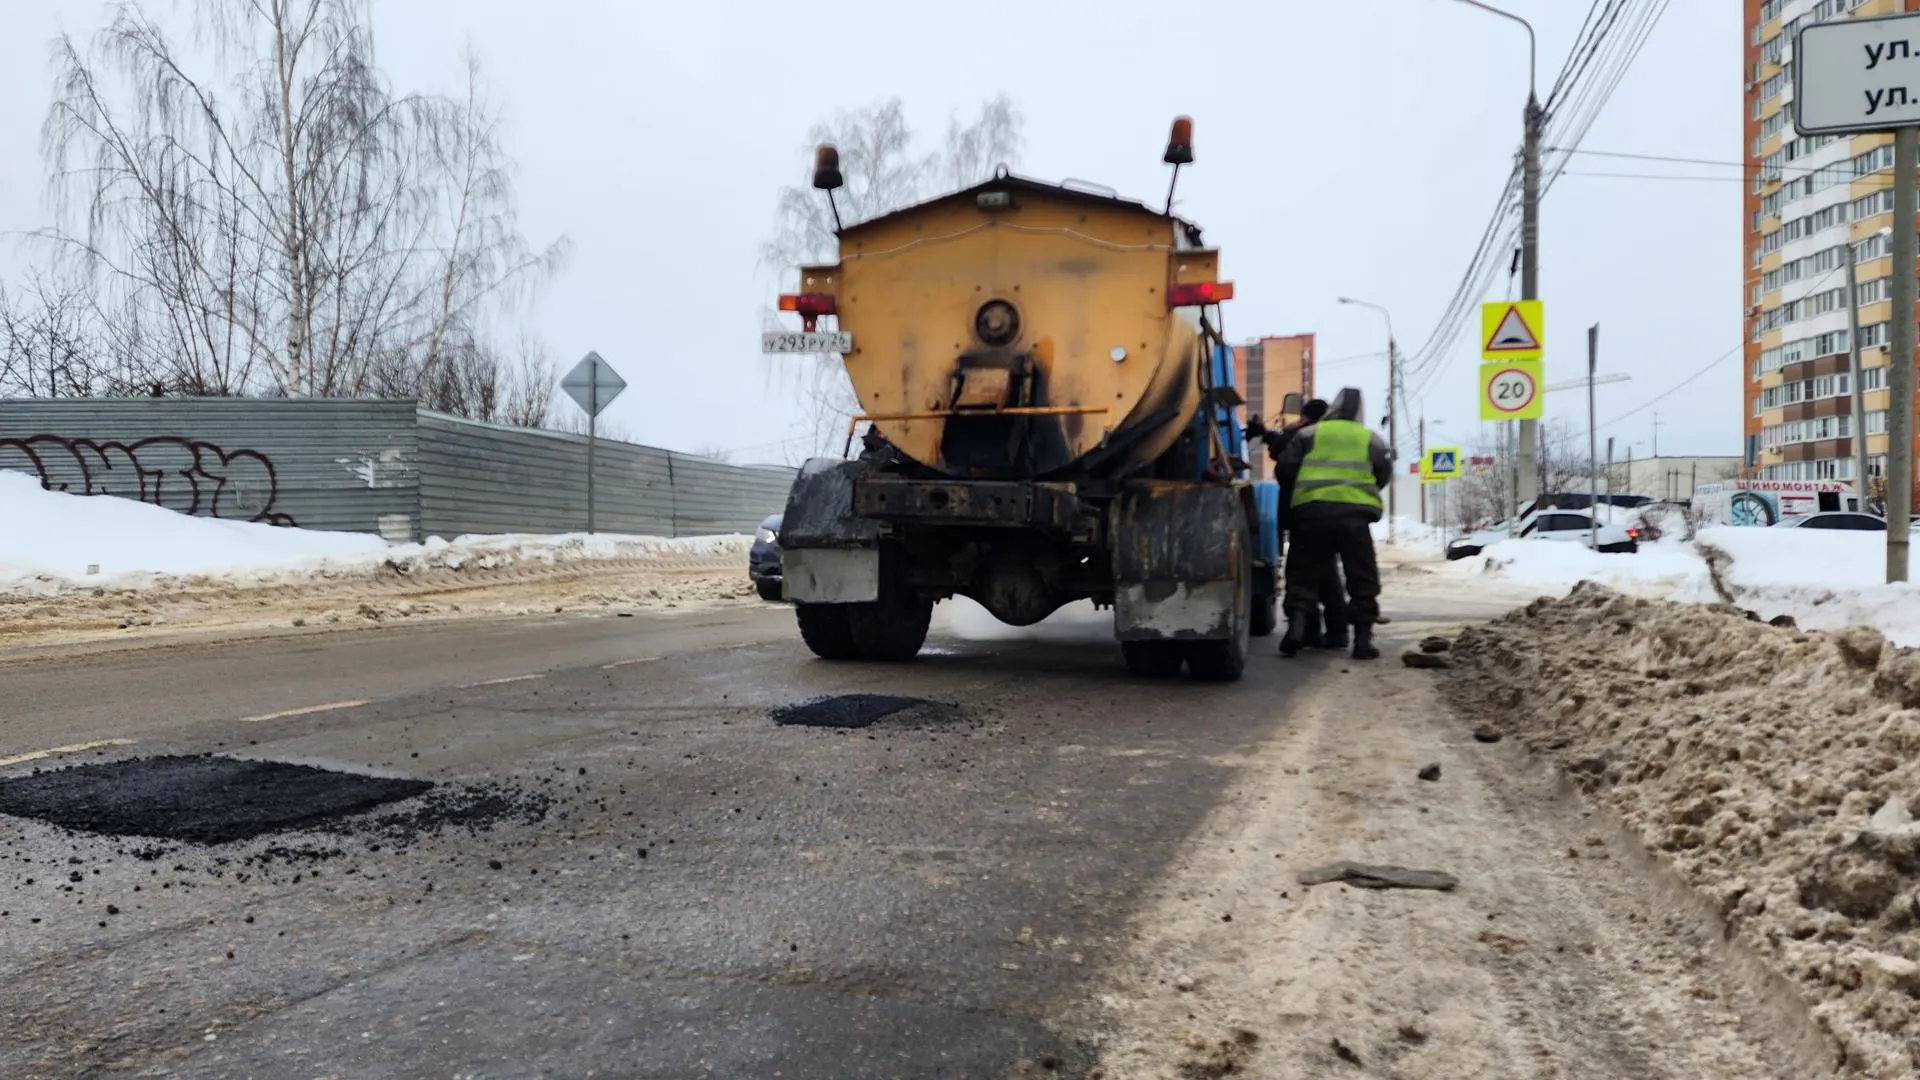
[{"x": 1853, "y": 75}]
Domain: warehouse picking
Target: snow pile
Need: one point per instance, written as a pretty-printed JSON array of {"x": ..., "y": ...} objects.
[
  {"x": 1778, "y": 769},
  {"x": 52, "y": 541},
  {"x": 99, "y": 537},
  {"x": 1825, "y": 578},
  {"x": 1666, "y": 570},
  {"x": 1410, "y": 536}
]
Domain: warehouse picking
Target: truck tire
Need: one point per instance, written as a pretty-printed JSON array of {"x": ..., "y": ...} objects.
[
  {"x": 1152, "y": 659},
  {"x": 825, "y": 629},
  {"x": 1225, "y": 661},
  {"x": 891, "y": 628}
]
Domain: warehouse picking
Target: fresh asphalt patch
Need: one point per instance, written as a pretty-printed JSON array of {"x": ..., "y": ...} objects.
[
  {"x": 198, "y": 799},
  {"x": 866, "y": 710}
]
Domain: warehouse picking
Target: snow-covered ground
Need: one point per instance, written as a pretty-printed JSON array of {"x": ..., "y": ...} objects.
[
  {"x": 1824, "y": 579},
  {"x": 50, "y": 541}
]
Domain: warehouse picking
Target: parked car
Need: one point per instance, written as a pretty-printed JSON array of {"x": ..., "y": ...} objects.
[
  {"x": 1558, "y": 526},
  {"x": 763, "y": 561},
  {"x": 1854, "y": 520}
]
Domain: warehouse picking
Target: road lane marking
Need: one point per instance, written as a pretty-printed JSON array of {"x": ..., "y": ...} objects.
[
  {"x": 284, "y": 713},
  {"x": 51, "y": 751},
  {"x": 498, "y": 682},
  {"x": 624, "y": 663}
]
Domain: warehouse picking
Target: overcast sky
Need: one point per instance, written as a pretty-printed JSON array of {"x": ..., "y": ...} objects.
[{"x": 1344, "y": 147}]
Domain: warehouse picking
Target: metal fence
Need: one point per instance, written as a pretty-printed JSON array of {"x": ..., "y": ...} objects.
[{"x": 388, "y": 467}]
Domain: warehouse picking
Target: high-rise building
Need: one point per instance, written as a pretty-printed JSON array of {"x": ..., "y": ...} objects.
[
  {"x": 1806, "y": 199},
  {"x": 1266, "y": 371}
]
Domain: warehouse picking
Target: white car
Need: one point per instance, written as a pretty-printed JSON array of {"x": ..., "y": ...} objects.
[{"x": 1557, "y": 526}]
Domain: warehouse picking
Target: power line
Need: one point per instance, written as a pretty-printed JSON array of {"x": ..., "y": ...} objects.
[{"x": 1747, "y": 165}]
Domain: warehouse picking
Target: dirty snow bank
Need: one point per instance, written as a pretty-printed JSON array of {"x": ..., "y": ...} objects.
[
  {"x": 1778, "y": 769},
  {"x": 49, "y": 542}
]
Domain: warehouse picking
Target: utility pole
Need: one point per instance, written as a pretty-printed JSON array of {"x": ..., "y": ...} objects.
[
  {"x": 1530, "y": 255},
  {"x": 1656, "y": 436},
  {"x": 1593, "y": 447},
  {"x": 1525, "y": 478},
  {"x": 1423, "y": 459},
  {"x": 1900, "y": 375},
  {"x": 1393, "y": 431},
  {"x": 1853, "y": 361},
  {"x": 1393, "y": 413}
]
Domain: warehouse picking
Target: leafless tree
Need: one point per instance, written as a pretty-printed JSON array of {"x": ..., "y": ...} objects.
[
  {"x": 883, "y": 172},
  {"x": 715, "y": 453},
  {"x": 272, "y": 217}
]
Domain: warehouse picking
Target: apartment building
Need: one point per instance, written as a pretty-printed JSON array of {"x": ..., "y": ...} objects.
[
  {"x": 1267, "y": 370},
  {"x": 1806, "y": 200}
]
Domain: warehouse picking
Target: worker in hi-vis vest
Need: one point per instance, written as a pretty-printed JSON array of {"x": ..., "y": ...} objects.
[
  {"x": 1333, "y": 597},
  {"x": 1331, "y": 477}
]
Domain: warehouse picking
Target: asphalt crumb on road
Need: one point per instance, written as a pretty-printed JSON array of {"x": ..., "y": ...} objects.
[
  {"x": 198, "y": 799},
  {"x": 864, "y": 710}
]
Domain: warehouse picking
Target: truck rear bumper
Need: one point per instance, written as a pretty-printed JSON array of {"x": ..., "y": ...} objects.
[{"x": 1012, "y": 504}]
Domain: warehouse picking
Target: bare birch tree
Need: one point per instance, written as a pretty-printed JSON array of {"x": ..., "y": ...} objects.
[
  {"x": 883, "y": 172},
  {"x": 272, "y": 217}
]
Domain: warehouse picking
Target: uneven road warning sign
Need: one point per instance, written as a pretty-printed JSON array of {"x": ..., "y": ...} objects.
[
  {"x": 1443, "y": 462},
  {"x": 1510, "y": 390},
  {"x": 1512, "y": 330}
]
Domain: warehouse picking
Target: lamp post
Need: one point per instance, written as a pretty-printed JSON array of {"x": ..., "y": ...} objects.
[
  {"x": 1535, "y": 120},
  {"x": 1393, "y": 414}
]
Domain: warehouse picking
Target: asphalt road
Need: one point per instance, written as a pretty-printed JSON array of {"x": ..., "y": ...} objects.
[{"x": 708, "y": 892}]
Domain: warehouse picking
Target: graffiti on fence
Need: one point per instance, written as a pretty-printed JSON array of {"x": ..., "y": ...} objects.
[{"x": 188, "y": 475}]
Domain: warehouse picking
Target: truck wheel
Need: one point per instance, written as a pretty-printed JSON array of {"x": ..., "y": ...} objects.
[
  {"x": 825, "y": 629},
  {"x": 891, "y": 628},
  {"x": 1224, "y": 661},
  {"x": 1152, "y": 659}
]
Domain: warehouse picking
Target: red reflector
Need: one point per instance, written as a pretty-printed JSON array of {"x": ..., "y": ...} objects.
[
  {"x": 1199, "y": 292},
  {"x": 808, "y": 303}
]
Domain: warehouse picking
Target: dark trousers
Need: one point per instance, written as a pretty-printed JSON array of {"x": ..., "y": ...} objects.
[{"x": 1313, "y": 548}]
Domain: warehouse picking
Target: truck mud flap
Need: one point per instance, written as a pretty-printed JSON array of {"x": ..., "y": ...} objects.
[
  {"x": 831, "y": 575},
  {"x": 828, "y": 555},
  {"x": 1179, "y": 562}
]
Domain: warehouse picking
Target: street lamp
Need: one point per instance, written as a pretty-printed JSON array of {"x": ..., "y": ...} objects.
[
  {"x": 1526, "y": 483},
  {"x": 1393, "y": 414}
]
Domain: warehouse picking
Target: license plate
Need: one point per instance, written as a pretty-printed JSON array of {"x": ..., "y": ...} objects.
[{"x": 823, "y": 341}]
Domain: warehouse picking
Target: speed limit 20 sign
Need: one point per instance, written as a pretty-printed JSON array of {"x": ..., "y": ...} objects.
[{"x": 1510, "y": 390}]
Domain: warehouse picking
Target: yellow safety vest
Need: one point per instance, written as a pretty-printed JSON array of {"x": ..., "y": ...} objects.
[{"x": 1337, "y": 469}]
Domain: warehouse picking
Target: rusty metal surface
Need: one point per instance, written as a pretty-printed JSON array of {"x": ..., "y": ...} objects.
[
  {"x": 1085, "y": 277},
  {"x": 1002, "y": 503}
]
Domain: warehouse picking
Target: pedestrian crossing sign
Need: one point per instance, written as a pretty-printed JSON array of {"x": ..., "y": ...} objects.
[
  {"x": 1442, "y": 463},
  {"x": 1512, "y": 330}
]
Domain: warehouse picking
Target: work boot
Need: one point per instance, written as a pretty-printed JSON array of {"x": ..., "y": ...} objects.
[
  {"x": 1290, "y": 641},
  {"x": 1336, "y": 638},
  {"x": 1363, "y": 642},
  {"x": 1312, "y": 638}
]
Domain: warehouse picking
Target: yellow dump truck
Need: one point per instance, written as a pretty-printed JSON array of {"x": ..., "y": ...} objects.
[{"x": 1049, "y": 417}]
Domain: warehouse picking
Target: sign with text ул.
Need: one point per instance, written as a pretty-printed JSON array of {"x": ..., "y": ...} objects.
[{"x": 1857, "y": 75}]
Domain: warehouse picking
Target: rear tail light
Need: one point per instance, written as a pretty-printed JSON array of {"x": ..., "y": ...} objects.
[
  {"x": 808, "y": 303},
  {"x": 1633, "y": 534},
  {"x": 1199, "y": 292}
]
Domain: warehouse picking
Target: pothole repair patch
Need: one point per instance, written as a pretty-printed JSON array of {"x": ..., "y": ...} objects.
[
  {"x": 862, "y": 710},
  {"x": 207, "y": 800}
]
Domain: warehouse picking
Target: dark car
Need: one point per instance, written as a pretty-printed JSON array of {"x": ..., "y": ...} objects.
[
  {"x": 1836, "y": 519},
  {"x": 763, "y": 562}
]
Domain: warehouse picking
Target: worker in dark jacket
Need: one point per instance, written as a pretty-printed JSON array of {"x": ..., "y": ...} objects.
[
  {"x": 1331, "y": 475},
  {"x": 1333, "y": 597}
]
